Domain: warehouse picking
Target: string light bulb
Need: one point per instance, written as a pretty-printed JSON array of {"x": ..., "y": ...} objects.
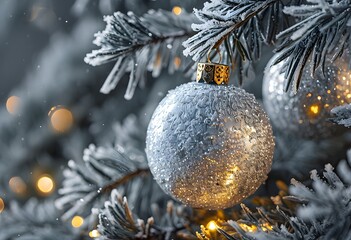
[
  {"x": 45, "y": 184},
  {"x": 314, "y": 109},
  {"x": 77, "y": 221},
  {"x": 61, "y": 118},
  {"x": 94, "y": 234},
  {"x": 12, "y": 104},
  {"x": 212, "y": 226},
  {"x": 177, "y": 10}
]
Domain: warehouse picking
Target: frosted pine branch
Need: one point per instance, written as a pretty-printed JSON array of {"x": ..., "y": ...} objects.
[
  {"x": 323, "y": 213},
  {"x": 342, "y": 115},
  {"x": 222, "y": 19},
  {"x": 323, "y": 30},
  {"x": 140, "y": 44},
  {"x": 242, "y": 27},
  {"x": 118, "y": 221},
  {"x": 88, "y": 186},
  {"x": 35, "y": 220}
]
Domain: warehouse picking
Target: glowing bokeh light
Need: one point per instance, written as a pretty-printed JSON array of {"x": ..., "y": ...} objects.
[
  {"x": 177, "y": 62},
  {"x": 12, "y": 104},
  {"x": 45, "y": 184},
  {"x": 212, "y": 226},
  {"x": 77, "y": 221},
  {"x": 17, "y": 185},
  {"x": 314, "y": 109},
  {"x": 61, "y": 119},
  {"x": 94, "y": 234},
  {"x": 177, "y": 10}
]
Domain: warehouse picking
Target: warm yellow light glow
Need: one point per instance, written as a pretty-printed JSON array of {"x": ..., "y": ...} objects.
[
  {"x": 12, "y": 104},
  {"x": 231, "y": 175},
  {"x": 266, "y": 227},
  {"x": 348, "y": 95},
  {"x": 177, "y": 62},
  {"x": 314, "y": 109},
  {"x": 158, "y": 61},
  {"x": 77, "y": 221},
  {"x": 177, "y": 10},
  {"x": 212, "y": 226},
  {"x": 248, "y": 228},
  {"x": 17, "y": 185},
  {"x": 94, "y": 234},
  {"x": 252, "y": 228},
  {"x": 319, "y": 97},
  {"x": 61, "y": 118},
  {"x": 2, "y": 205},
  {"x": 328, "y": 91},
  {"x": 309, "y": 95},
  {"x": 45, "y": 184}
]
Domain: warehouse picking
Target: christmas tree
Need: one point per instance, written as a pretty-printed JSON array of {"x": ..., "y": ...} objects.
[{"x": 224, "y": 119}]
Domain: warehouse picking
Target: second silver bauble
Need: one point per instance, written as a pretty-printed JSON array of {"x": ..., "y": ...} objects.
[{"x": 306, "y": 113}]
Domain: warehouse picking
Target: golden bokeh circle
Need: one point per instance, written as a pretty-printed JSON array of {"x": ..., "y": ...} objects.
[
  {"x": 17, "y": 185},
  {"x": 61, "y": 119},
  {"x": 177, "y": 10},
  {"x": 12, "y": 104},
  {"x": 45, "y": 184},
  {"x": 77, "y": 221}
]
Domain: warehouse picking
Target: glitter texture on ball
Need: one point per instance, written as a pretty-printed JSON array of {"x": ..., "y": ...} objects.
[
  {"x": 306, "y": 113},
  {"x": 209, "y": 146}
]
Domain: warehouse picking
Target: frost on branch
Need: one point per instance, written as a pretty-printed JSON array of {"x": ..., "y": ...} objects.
[
  {"x": 123, "y": 166},
  {"x": 138, "y": 45},
  {"x": 322, "y": 30},
  {"x": 88, "y": 186},
  {"x": 342, "y": 115},
  {"x": 239, "y": 27},
  {"x": 35, "y": 220},
  {"x": 306, "y": 31},
  {"x": 323, "y": 210},
  {"x": 118, "y": 221}
]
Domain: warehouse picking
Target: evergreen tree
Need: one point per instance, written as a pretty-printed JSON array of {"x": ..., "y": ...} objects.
[{"x": 87, "y": 175}]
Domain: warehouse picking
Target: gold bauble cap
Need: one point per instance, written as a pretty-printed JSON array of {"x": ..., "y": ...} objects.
[{"x": 212, "y": 73}]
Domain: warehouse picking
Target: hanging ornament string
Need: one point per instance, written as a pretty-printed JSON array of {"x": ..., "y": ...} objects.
[
  {"x": 213, "y": 73},
  {"x": 218, "y": 52}
]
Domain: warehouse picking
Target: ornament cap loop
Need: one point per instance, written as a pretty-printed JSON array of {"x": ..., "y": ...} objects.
[
  {"x": 218, "y": 52},
  {"x": 212, "y": 73}
]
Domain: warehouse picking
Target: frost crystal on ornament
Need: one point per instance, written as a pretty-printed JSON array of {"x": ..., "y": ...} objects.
[
  {"x": 306, "y": 114},
  {"x": 209, "y": 146}
]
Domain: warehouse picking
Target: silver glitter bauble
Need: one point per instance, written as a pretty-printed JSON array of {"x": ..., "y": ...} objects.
[
  {"x": 209, "y": 146},
  {"x": 306, "y": 113}
]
